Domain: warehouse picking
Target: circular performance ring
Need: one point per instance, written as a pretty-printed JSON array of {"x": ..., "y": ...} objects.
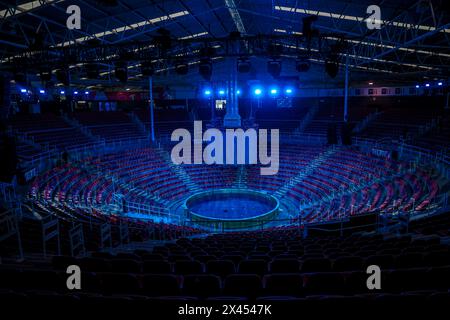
[{"x": 231, "y": 208}]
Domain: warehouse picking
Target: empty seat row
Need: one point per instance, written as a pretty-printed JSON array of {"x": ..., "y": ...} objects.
[
  {"x": 300, "y": 303},
  {"x": 257, "y": 264},
  {"x": 246, "y": 285}
]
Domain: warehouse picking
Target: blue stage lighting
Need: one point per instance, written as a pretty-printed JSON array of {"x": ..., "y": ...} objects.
[
  {"x": 207, "y": 92},
  {"x": 238, "y": 92},
  {"x": 75, "y": 92},
  {"x": 62, "y": 92},
  {"x": 86, "y": 92},
  {"x": 221, "y": 92},
  {"x": 42, "y": 91},
  {"x": 273, "y": 91},
  {"x": 288, "y": 91},
  {"x": 417, "y": 86},
  {"x": 23, "y": 90},
  {"x": 258, "y": 92},
  {"x": 427, "y": 85},
  {"x": 439, "y": 83}
]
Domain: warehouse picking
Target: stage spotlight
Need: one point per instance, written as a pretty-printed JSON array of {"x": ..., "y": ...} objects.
[
  {"x": 163, "y": 39},
  {"x": 121, "y": 71},
  {"x": 62, "y": 92},
  {"x": 307, "y": 30},
  {"x": 75, "y": 92},
  {"x": 92, "y": 71},
  {"x": 439, "y": 83},
  {"x": 23, "y": 90},
  {"x": 238, "y": 92},
  {"x": 274, "y": 50},
  {"x": 427, "y": 85},
  {"x": 207, "y": 92},
  {"x": 45, "y": 75},
  {"x": 274, "y": 68},
  {"x": 181, "y": 68},
  {"x": 37, "y": 42},
  {"x": 86, "y": 92},
  {"x": 108, "y": 3},
  {"x": 205, "y": 68},
  {"x": 234, "y": 35},
  {"x": 332, "y": 67},
  {"x": 221, "y": 92},
  {"x": 417, "y": 86},
  {"x": 147, "y": 69},
  {"x": 273, "y": 91},
  {"x": 20, "y": 77},
  {"x": 63, "y": 76},
  {"x": 288, "y": 91},
  {"x": 257, "y": 92},
  {"x": 42, "y": 91},
  {"x": 302, "y": 64},
  {"x": 207, "y": 52},
  {"x": 243, "y": 65}
]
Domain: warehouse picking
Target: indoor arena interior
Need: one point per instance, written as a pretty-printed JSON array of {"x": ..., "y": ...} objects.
[{"x": 225, "y": 158}]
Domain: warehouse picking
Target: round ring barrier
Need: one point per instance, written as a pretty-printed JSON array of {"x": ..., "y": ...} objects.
[{"x": 227, "y": 219}]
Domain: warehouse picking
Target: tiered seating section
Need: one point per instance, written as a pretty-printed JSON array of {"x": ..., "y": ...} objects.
[
  {"x": 378, "y": 184},
  {"x": 92, "y": 222},
  {"x": 140, "y": 175},
  {"x": 166, "y": 121},
  {"x": 292, "y": 159},
  {"x": 110, "y": 125},
  {"x": 45, "y": 132},
  {"x": 286, "y": 120},
  {"x": 217, "y": 176},
  {"x": 438, "y": 138},
  {"x": 48, "y": 130},
  {"x": 235, "y": 266},
  {"x": 327, "y": 114},
  {"x": 262, "y": 266},
  {"x": 27, "y": 151},
  {"x": 317, "y": 178},
  {"x": 398, "y": 122}
]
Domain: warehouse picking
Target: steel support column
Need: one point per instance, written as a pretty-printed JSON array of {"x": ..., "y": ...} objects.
[
  {"x": 152, "y": 124},
  {"x": 346, "y": 90}
]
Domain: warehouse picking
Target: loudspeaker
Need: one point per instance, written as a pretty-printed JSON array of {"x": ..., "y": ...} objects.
[
  {"x": 346, "y": 134},
  {"x": 331, "y": 134},
  {"x": 8, "y": 160},
  {"x": 394, "y": 155}
]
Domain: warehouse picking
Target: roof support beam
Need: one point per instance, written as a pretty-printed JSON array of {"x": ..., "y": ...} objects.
[
  {"x": 408, "y": 43},
  {"x": 25, "y": 8},
  {"x": 333, "y": 15},
  {"x": 13, "y": 44},
  {"x": 235, "y": 16}
]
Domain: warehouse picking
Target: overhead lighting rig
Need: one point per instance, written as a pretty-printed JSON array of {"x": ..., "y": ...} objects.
[
  {"x": 181, "y": 67},
  {"x": 243, "y": 65},
  {"x": 164, "y": 49}
]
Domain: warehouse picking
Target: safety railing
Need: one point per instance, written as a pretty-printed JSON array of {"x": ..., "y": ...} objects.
[
  {"x": 50, "y": 231},
  {"x": 76, "y": 236},
  {"x": 370, "y": 222},
  {"x": 9, "y": 227},
  {"x": 110, "y": 232},
  {"x": 105, "y": 236},
  {"x": 219, "y": 225}
]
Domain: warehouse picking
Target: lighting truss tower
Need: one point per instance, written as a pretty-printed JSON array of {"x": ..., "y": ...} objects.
[
  {"x": 152, "y": 123},
  {"x": 232, "y": 118}
]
